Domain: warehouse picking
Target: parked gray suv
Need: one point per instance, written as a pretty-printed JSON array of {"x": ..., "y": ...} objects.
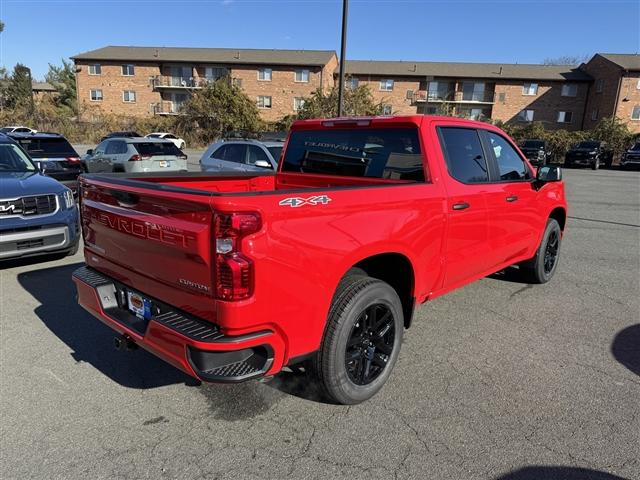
[
  {"x": 242, "y": 155},
  {"x": 135, "y": 155}
]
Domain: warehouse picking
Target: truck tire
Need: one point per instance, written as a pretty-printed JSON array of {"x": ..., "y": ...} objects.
[
  {"x": 361, "y": 341},
  {"x": 542, "y": 266}
]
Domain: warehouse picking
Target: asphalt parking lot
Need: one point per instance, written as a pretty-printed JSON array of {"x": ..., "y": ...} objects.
[{"x": 498, "y": 380}]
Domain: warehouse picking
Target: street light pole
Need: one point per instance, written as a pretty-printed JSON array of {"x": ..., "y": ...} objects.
[{"x": 343, "y": 46}]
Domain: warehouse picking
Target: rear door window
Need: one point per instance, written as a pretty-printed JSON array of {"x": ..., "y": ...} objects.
[
  {"x": 464, "y": 155},
  {"x": 152, "y": 149},
  {"x": 47, "y": 147},
  {"x": 391, "y": 153},
  {"x": 231, "y": 152}
]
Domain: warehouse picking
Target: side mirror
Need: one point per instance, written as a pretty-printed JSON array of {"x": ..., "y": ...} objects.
[
  {"x": 90, "y": 151},
  {"x": 262, "y": 164},
  {"x": 549, "y": 173}
]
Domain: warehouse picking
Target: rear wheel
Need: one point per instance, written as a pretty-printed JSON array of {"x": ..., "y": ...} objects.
[
  {"x": 361, "y": 341},
  {"x": 596, "y": 164},
  {"x": 540, "y": 269}
]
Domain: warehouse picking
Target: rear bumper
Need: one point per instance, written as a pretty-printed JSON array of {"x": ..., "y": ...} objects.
[{"x": 195, "y": 346}]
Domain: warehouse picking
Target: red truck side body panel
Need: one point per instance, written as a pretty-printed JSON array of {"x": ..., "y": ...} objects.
[{"x": 160, "y": 241}]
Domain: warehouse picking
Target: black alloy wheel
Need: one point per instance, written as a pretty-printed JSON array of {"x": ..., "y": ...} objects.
[
  {"x": 551, "y": 251},
  {"x": 370, "y": 344}
]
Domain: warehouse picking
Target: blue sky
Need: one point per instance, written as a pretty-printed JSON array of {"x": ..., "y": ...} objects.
[{"x": 39, "y": 32}]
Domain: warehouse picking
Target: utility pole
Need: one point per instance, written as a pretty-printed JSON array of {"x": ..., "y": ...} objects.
[{"x": 343, "y": 46}]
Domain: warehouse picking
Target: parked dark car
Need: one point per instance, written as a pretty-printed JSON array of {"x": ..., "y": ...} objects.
[
  {"x": 126, "y": 134},
  {"x": 631, "y": 158},
  {"x": 54, "y": 156},
  {"x": 38, "y": 215},
  {"x": 537, "y": 151},
  {"x": 589, "y": 153}
]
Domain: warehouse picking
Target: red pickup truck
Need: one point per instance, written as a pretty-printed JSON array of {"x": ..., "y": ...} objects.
[{"x": 233, "y": 277}]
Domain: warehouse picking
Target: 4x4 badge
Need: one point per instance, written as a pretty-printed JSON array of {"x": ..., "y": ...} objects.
[{"x": 299, "y": 202}]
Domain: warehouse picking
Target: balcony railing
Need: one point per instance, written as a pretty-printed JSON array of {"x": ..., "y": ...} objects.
[
  {"x": 188, "y": 83},
  {"x": 423, "y": 96},
  {"x": 167, "y": 108}
]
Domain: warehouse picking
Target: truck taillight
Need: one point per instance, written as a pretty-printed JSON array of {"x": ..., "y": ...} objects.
[{"x": 234, "y": 271}]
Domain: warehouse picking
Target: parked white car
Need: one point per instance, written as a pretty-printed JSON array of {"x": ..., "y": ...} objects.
[
  {"x": 17, "y": 129},
  {"x": 178, "y": 142}
]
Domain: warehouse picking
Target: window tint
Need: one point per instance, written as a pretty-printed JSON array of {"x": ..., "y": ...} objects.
[
  {"x": 100, "y": 148},
  {"x": 157, "y": 148},
  {"x": 232, "y": 152},
  {"x": 13, "y": 159},
  {"x": 111, "y": 148},
  {"x": 510, "y": 165},
  {"x": 275, "y": 152},
  {"x": 392, "y": 153},
  {"x": 255, "y": 154},
  {"x": 464, "y": 154},
  {"x": 47, "y": 147}
]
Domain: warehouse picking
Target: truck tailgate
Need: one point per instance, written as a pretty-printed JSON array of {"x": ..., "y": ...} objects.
[{"x": 149, "y": 239}]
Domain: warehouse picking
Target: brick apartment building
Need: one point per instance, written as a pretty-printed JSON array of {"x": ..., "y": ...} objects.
[{"x": 147, "y": 81}]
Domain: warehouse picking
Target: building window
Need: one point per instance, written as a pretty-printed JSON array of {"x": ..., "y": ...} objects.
[
  {"x": 431, "y": 110},
  {"x": 301, "y": 76},
  {"x": 95, "y": 69},
  {"x": 386, "y": 85},
  {"x": 237, "y": 82},
  {"x": 565, "y": 117},
  {"x": 473, "y": 91},
  {"x": 569, "y": 90},
  {"x": 600, "y": 85},
  {"x": 502, "y": 97},
  {"x": 96, "y": 95},
  {"x": 129, "y": 96},
  {"x": 525, "y": 116},
  {"x": 635, "y": 113},
  {"x": 594, "y": 114},
  {"x": 128, "y": 70},
  {"x": 264, "y": 101},
  {"x": 211, "y": 74},
  {"x": 387, "y": 110},
  {"x": 530, "y": 89},
  {"x": 298, "y": 103},
  {"x": 409, "y": 95},
  {"x": 264, "y": 74},
  {"x": 352, "y": 83},
  {"x": 437, "y": 91}
]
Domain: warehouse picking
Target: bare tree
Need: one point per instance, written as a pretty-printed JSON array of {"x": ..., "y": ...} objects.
[{"x": 566, "y": 60}]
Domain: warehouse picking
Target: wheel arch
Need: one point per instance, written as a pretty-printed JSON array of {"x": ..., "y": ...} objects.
[
  {"x": 397, "y": 270},
  {"x": 560, "y": 215}
]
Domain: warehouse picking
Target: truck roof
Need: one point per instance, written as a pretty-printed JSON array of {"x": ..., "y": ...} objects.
[{"x": 381, "y": 120}]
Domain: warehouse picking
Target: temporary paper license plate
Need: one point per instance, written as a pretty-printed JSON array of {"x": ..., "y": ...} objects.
[{"x": 139, "y": 305}]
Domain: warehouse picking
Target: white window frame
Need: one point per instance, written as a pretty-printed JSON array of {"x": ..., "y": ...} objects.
[
  {"x": 129, "y": 92},
  {"x": 94, "y": 65},
  {"x": 562, "y": 117},
  {"x": 636, "y": 118},
  {"x": 127, "y": 65},
  {"x": 96, "y": 99},
  {"x": 298, "y": 103},
  {"x": 527, "y": 87},
  {"x": 265, "y": 72},
  {"x": 387, "y": 109},
  {"x": 264, "y": 104},
  {"x": 600, "y": 85},
  {"x": 302, "y": 72},
  {"x": 566, "y": 90},
  {"x": 386, "y": 85},
  {"x": 523, "y": 115}
]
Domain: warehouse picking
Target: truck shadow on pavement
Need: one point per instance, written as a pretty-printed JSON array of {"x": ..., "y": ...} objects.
[
  {"x": 90, "y": 340},
  {"x": 626, "y": 348},
  {"x": 557, "y": 473}
]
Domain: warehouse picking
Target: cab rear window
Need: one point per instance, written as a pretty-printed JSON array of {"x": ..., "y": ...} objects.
[
  {"x": 47, "y": 147},
  {"x": 390, "y": 153}
]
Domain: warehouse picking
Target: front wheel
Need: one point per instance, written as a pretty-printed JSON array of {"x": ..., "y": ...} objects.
[
  {"x": 596, "y": 164},
  {"x": 361, "y": 341},
  {"x": 542, "y": 266}
]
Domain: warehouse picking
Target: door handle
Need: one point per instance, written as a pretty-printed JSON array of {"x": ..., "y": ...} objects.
[
  {"x": 511, "y": 198},
  {"x": 461, "y": 206}
]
